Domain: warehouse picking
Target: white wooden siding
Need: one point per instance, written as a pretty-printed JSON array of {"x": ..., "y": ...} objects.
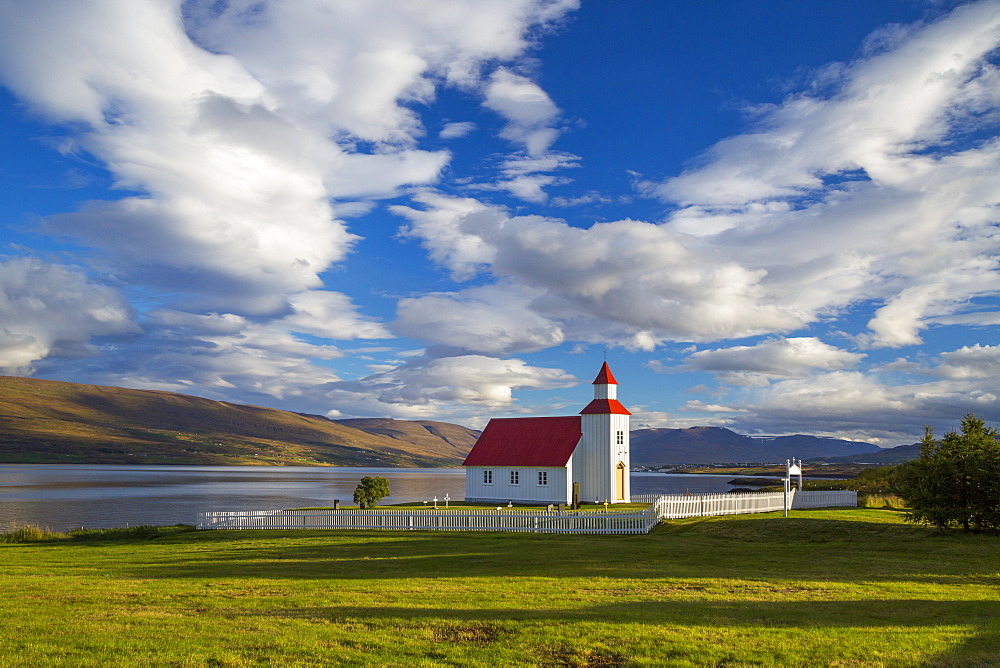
[
  {"x": 596, "y": 458},
  {"x": 527, "y": 491}
]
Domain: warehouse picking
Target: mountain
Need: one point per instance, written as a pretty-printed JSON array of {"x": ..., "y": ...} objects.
[
  {"x": 896, "y": 455},
  {"x": 716, "y": 445},
  {"x": 814, "y": 447},
  {"x": 697, "y": 445},
  {"x": 436, "y": 436},
  {"x": 44, "y": 421}
]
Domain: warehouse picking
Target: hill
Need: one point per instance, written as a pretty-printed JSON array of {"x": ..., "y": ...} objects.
[
  {"x": 44, "y": 421},
  {"x": 710, "y": 445},
  {"x": 896, "y": 455}
]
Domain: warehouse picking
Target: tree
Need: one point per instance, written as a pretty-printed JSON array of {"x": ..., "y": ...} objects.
[
  {"x": 955, "y": 480},
  {"x": 371, "y": 490}
]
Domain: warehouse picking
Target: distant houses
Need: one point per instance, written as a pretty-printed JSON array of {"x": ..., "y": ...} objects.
[{"x": 543, "y": 460}]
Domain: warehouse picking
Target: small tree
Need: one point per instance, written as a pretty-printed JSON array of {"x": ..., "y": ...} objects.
[
  {"x": 371, "y": 490},
  {"x": 954, "y": 480}
]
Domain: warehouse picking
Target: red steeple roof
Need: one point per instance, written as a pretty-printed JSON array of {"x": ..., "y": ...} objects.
[
  {"x": 605, "y": 377},
  {"x": 537, "y": 441},
  {"x": 605, "y": 407}
]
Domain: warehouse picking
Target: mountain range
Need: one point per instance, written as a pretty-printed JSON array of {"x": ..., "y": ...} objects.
[
  {"x": 713, "y": 445},
  {"x": 44, "y": 421}
]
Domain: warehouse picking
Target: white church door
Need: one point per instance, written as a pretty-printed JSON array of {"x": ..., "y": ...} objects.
[{"x": 620, "y": 474}]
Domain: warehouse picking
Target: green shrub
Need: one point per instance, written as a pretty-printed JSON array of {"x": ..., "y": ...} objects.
[
  {"x": 34, "y": 534},
  {"x": 371, "y": 490},
  {"x": 29, "y": 534},
  {"x": 880, "y": 500}
]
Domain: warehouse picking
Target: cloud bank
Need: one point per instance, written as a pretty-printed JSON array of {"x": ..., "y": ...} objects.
[{"x": 255, "y": 147}]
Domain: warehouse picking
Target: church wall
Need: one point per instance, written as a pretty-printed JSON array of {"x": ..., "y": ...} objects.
[{"x": 527, "y": 490}]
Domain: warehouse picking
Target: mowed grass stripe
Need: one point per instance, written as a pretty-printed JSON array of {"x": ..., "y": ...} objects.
[{"x": 828, "y": 587}]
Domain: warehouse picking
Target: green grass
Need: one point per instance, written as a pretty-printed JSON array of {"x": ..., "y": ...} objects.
[{"x": 827, "y": 587}]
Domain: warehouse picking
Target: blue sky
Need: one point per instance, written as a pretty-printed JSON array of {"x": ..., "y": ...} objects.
[{"x": 776, "y": 217}]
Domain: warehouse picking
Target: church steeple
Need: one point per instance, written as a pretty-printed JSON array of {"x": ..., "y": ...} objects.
[
  {"x": 601, "y": 460},
  {"x": 605, "y": 395},
  {"x": 605, "y": 377}
]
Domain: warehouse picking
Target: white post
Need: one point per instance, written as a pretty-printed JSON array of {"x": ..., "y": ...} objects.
[{"x": 785, "y": 503}]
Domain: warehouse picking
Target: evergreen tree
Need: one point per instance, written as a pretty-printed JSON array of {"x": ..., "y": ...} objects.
[{"x": 955, "y": 481}]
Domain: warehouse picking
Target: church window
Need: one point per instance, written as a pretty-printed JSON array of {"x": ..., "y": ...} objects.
[
  {"x": 620, "y": 438},
  {"x": 487, "y": 477},
  {"x": 515, "y": 477},
  {"x": 543, "y": 478}
]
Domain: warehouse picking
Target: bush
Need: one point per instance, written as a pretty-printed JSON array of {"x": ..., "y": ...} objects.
[
  {"x": 33, "y": 534},
  {"x": 29, "y": 534},
  {"x": 880, "y": 500},
  {"x": 371, "y": 490}
]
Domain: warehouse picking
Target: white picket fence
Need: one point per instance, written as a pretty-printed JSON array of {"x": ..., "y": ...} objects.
[
  {"x": 674, "y": 506},
  {"x": 636, "y": 521},
  {"x": 825, "y": 499},
  {"x": 677, "y": 506}
]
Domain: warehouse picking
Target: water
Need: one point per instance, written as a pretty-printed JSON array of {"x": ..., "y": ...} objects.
[{"x": 62, "y": 497}]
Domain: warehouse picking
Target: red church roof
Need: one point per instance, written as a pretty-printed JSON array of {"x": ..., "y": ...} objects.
[
  {"x": 605, "y": 407},
  {"x": 535, "y": 441},
  {"x": 605, "y": 376}
]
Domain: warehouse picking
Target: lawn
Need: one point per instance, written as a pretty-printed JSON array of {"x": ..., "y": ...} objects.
[{"x": 822, "y": 587}]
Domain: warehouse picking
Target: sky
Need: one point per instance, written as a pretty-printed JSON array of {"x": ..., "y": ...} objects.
[{"x": 777, "y": 217}]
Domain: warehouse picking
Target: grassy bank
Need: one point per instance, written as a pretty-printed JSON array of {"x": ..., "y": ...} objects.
[{"x": 843, "y": 587}]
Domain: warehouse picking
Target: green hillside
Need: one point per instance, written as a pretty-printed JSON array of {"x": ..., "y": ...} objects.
[{"x": 43, "y": 421}]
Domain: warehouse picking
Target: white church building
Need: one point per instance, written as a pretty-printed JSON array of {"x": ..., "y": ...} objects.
[{"x": 539, "y": 460}]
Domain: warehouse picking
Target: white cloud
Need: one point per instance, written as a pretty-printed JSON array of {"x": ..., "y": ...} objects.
[
  {"x": 757, "y": 365},
  {"x": 870, "y": 405},
  {"x": 240, "y": 134},
  {"x": 525, "y": 177},
  {"x": 528, "y": 109},
  {"x": 874, "y": 192},
  {"x": 237, "y": 130},
  {"x": 227, "y": 356},
  {"x": 439, "y": 227},
  {"x": 238, "y": 122},
  {"x": 51, "y": 310},
  {"x": 971, "y": 362},
  {"x": 887, "y": 106},
  {"x": 331, "y": 315},
  {"x": 628, "y": 282},
  {"x": 457, "y": 130},
  {"x": 831, "y": 205},
  {"x": 492, "y": 319},
  {"x": 426, "y": 388},
  {"x": 976, "y": 319}
]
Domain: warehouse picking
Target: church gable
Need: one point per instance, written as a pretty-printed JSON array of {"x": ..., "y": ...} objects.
[{"x": 536, "y": 441}]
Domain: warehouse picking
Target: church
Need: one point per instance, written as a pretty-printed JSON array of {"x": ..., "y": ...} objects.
[{"x": 543, "y": 460}]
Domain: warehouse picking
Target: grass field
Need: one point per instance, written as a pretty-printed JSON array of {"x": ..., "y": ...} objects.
[{"x": 823, "y": 587}]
